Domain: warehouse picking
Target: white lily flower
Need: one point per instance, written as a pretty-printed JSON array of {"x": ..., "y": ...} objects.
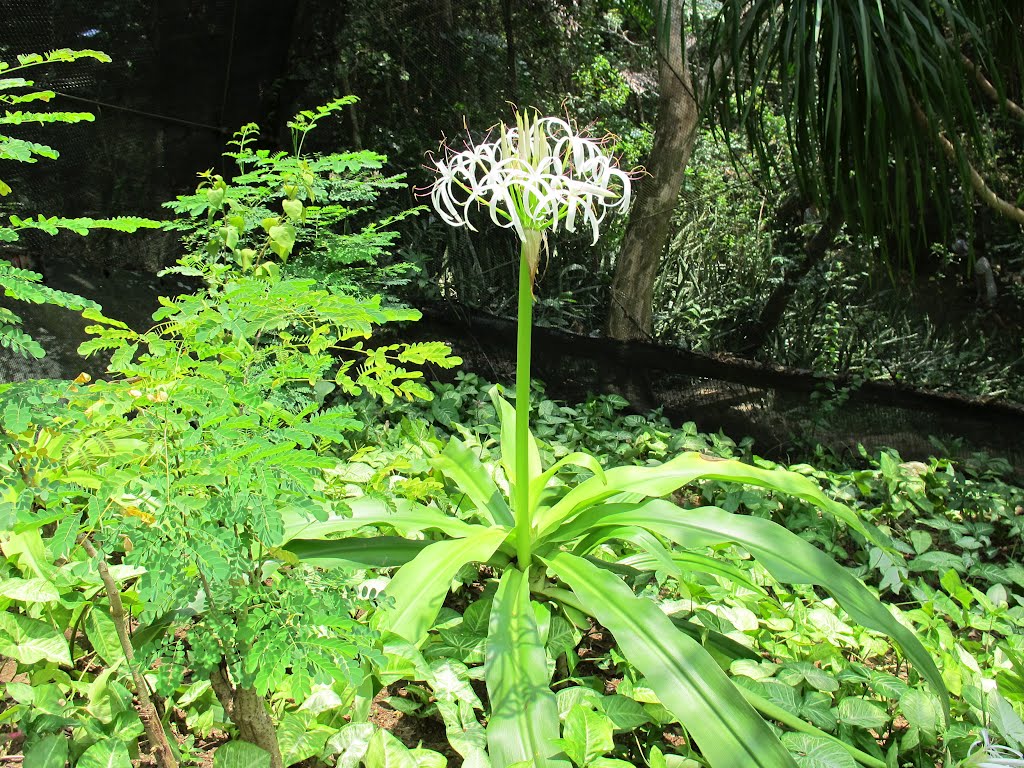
[
  {"x": 991, "y": 755},
  {"x": 536, "y": 176}
]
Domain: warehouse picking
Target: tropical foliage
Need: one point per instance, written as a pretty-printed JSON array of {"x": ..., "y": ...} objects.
[
  {"x": 23, "y": 284},
  {"x": 210, "y": 435},
  {"x": 263, "y": 534},
  {"x": 879, "y": 102}
]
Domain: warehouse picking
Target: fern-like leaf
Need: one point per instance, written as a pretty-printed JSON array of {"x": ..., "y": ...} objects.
[
  {"x": 25, "y": 151},
  {"x": 15, "y": 339},
  {"x": 19, "y": 117}
]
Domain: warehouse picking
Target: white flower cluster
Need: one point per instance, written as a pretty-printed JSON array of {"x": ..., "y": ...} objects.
[
  {"x": 537, "y": 176},
  {"x": 991, "y": 755}
]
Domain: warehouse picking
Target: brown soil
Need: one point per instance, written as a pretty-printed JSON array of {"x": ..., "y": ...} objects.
[{"x": 425, "y": 732}]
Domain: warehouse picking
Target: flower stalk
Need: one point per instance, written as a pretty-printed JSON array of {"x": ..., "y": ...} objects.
[
  {"x": 529, "y": 256},
  {"x": 537, "y": 176}
]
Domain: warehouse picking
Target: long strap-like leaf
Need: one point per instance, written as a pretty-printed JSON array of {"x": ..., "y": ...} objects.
[
  {"x": 507, "y": 415},
  {"x": 685, "y": 677},
  {"x": 662, "y": 480},
  {"x": 786, "y": 556},
  {"x": 524, "y": 714},
  {"x": 419, "y": 588},
  {"x": 463, "y": 466},
  {"x": 406, "y": 516},
  {"x": 356, "y": 552}
]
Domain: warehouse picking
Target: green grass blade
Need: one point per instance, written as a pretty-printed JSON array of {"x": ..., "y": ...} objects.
[
  {"x": 786, "y": 556},
  {"x": 419, "y": 588},
  {"x": 685, "y": 677},
  {"x": 524, "y": 715}
]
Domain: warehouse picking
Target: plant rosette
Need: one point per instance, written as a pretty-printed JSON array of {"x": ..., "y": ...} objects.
[{"x": 545, "y": 537}]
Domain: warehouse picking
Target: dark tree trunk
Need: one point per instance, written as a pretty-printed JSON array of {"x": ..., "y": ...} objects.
[
  {"x": 632, "y": 291},
  {"x": 814, "y": 252}
]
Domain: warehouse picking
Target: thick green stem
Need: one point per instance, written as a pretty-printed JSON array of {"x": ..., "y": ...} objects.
[{"x": 528, "y": 258}]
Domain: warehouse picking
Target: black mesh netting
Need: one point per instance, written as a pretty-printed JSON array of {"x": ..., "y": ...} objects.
[
  {"x": 786, "y": 411},
  {"x": 177, "y": 87}
]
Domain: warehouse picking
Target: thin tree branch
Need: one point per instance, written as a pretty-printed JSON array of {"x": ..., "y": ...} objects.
[
  {"x": 158, "y": 744},
  {"x": 990, "y": 90},
  {"x": 978, "y": 184}
]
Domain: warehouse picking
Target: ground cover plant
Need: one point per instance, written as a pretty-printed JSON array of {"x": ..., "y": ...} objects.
[
  {"x": 259, "y": 531},
  {"x": 794, "y": 646}
]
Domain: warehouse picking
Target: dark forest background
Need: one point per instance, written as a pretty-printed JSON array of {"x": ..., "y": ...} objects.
[{"x": 899, "y": 272}]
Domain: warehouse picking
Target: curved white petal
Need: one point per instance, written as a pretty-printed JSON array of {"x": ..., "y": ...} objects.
[
  {"x": 991, "y": 755},
  {"x": 536, "y": 174}
]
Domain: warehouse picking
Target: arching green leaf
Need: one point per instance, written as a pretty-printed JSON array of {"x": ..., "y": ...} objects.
[
  {"x": 786, "y": 556},
  {"x": 686, "y": 679},
  {"x": 419, "y": 588},
  {"x": 464, "y": 467},
  {"x": 524, "y": 715},
  {"x": 687, "y": 468}
]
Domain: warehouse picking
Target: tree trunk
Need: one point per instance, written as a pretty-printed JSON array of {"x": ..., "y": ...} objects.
[
  {"x": 632, "y": 290},
  {"x": 248, "y": 711},
  {"x": 159, "y": 747},
  {"x": 814, "y": 252}
]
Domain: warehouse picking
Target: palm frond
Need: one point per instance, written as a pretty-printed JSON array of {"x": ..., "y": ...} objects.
[{"x": 852, "y": 79}]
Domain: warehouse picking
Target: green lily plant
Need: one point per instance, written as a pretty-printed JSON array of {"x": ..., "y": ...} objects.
[{"x": 545, "y": 540}]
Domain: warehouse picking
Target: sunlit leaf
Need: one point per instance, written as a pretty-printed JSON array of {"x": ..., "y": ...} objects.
[
  {"x": 419, "y": 588},
  {"x": 686, "y": 679},
  {"x": 240, "y": 754},
  {"x": 524, "y": 715},
  {"x": 30, "y": 640},
  {"x": 108, "y": 754}
]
